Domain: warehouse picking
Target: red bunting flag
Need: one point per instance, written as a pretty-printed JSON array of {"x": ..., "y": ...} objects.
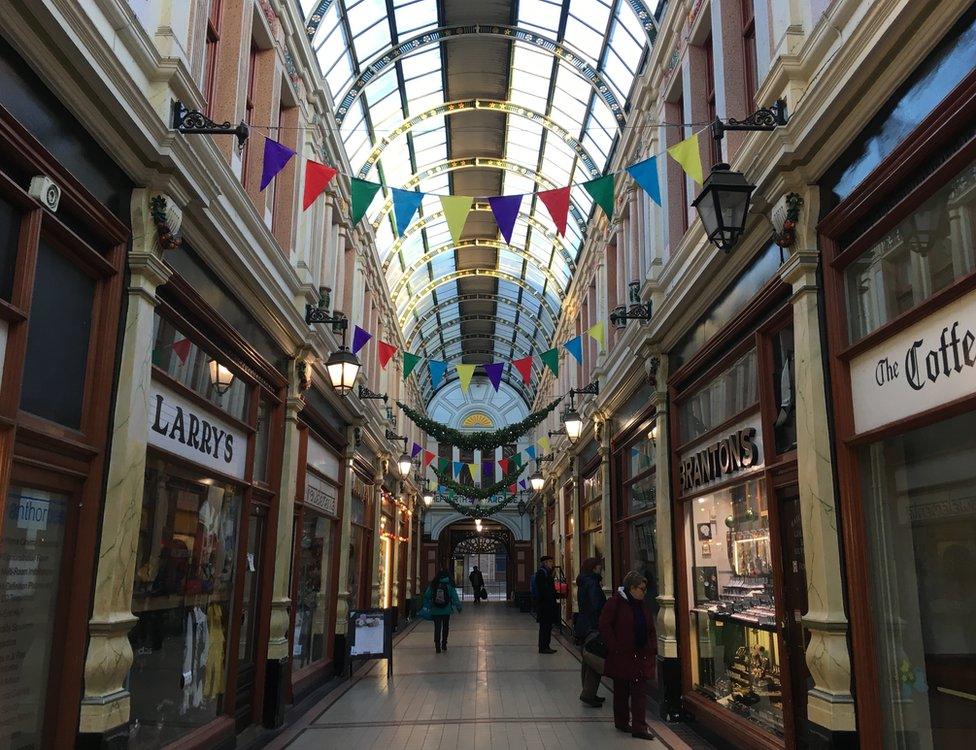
[
  {"x": 317, "y": 177},
  {"x": 512, "y": 489},
  {"x": 524, "y": 366},
  {"x": 386, "y": 352},
  {"x": 181, "y": 349},
  {"x": 504, "y": 464},
  {"x": 557, "y": 201},
  {"x": 428, "y": 457}
]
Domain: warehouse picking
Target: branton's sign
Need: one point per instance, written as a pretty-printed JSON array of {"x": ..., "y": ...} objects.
[{"x": 715, "y": 462}]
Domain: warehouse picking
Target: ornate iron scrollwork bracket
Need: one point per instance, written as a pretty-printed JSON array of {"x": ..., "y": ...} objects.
[
  {"x": 194, "y": 122},
  {"x": 767, "y": 118}
]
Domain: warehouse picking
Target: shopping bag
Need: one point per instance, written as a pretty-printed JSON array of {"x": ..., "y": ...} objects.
[
  {"x": 483, "y": 594},
  {"x": 424, "y": 613}
]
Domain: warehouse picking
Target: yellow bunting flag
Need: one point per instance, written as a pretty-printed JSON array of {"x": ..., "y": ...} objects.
[
  {"x": 544, "y": 443},
  {"x": 465, "y": 372},
  {"x": 597, "y": 332},
  {"x": 456, "y": 209},
  {"x": 475, "y": 471},
  {"x": 688, "y": 155}
]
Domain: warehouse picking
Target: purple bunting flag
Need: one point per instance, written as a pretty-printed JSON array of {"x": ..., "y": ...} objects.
[
  {"x": 494, "y": 372},
  {"x": 505, "y": 208},
  {"x": 415, "y": 450},
  {"x": 359, "y": 339},
  {"x": 276, "y": 157}
]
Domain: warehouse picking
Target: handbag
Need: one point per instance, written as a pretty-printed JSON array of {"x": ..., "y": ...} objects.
[
  {"x": 595, "y": 652},
  {"x": 424, "y": 613},
  {"x": 559, "y": 583},
  {"x": 483, "y": 594}
]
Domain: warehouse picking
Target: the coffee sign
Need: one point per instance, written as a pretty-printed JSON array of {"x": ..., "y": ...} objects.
[
  {"x": 180, "y": 427},
  {"x": 928, "y": 364},
  {"x": 720, "y": 460}
]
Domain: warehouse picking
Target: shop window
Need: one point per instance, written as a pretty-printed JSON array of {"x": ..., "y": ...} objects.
[
  {"x": 57, "y": 339},
  {"x": 184, "y": 582},
  {"x": 31, "y": 550},
  {"x": 355, "y": 564},
  {"x": 734, "y": 645},
  {"x": 252, "y": 564},
  {"x": 189, "y": 365},
  {"x": 643, "y": 556},
  {"x": 731, "y": 392},
  {"x": 923, "y": 254},
  {"x": 784, "y": 390},
  {"x": 591, "y": 511},
  {"x": 310, "y": 639},
  {"x": 917, "y": 494},
  {"x": 10, "y": 219}
]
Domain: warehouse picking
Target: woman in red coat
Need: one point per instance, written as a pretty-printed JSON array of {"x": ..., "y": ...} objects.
[{"x": 627, "y": 630}]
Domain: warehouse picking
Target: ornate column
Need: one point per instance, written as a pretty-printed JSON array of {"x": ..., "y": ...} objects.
[
  {"x": 377, "y": 501},
  {"x": 830, "y": 707},
  {"x": 603, "y": 437},
  {"x": 668, "y": 661},
  {"x": 343, "y": 595},
  {"x": 105, "y": 705},
  {"x": 278, "y": 654}
]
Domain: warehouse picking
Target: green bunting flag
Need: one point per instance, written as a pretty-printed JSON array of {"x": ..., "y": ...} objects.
[
  {"x": 362, "y": 195},
  {"x": 601, "y": 189},
  {"x": 409, "y": 362},
  {"x": 551, "y": 360}
]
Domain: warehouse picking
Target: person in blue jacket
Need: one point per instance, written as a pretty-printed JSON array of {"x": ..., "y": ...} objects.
[{"x": 439, "y": 599}]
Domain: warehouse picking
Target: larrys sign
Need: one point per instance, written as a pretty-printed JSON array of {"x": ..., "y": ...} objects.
[
  {"x": 177, "y": 426},
  {"x": 928, "y": 364}
]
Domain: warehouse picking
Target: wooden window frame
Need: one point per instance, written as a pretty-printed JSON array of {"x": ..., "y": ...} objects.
[
  {"x": 211, "y": 51},
  {"x": 749, "y": 52},
  {"x": 926, "y": 159}
]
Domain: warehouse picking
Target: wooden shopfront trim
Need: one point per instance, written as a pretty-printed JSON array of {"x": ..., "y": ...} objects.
[
  {"x": 189, "y": 313},
  {"x": 304, "y": 680},
  {"x": 946, "y": 139},
  {"x": 620, "y": 518},
  {"x": 765, "y": 314},
  {"x": 39, "y": 453}
]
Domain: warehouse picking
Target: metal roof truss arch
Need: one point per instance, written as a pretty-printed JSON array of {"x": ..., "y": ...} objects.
[{"x": 413, "y": 325}]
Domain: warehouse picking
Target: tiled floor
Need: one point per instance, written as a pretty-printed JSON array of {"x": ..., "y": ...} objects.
[{"x": 491, "y": 689}]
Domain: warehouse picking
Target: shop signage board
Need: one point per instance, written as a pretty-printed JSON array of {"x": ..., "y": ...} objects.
[
  {"x": 319, "y": 494},
  {"x": 736, "y": 450},
  {"x": 370, "y": 636},
  {"x": 924, "y": 366},
  {"x": 322, "y": 459},
  {"x": 181, "y": 427}
]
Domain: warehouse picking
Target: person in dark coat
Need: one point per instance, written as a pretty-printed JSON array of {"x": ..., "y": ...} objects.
[
  {"x": 477, "y": 583},
  {"x": 546, "y": 604},
  {"x": 628, "y": 632},
  {"x": 441, "y": 613},
  {"x": 590, "y": 596}
]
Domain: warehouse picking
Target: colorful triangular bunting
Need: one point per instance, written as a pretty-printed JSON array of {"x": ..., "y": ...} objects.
[
  {"x": 575, "y": 347},
  {"x": 601, "y": 189},
  {"x": 524, "y": 366},
  {"x": 494, "y": 372},
  {"x": 557, "y": 201},
  {"x": 386, "y": 352},
  {"x": 465, "y": 372},
  {"x": 551, "y": 360},
  {"x": 428, "y": 457},
  {"x": 409, "y": 362},
  {"x": 544, "y": 443},
  {"x": 405, "y": 205},
  {"x": 437, "y": 370},
  {"x": 458, "y": 467},
  {"x": 360, "y": 337},
  {"x": 276, "y": 156},
  {"x": 505, "y": 208},
  {"x": 503, "y": 464},
  {"x": 456, "y": 209},
  {"x": 688, "y": 155},
  {"x": 530, "y": 451},
  {"x": 181, "y": 349},
  {"x": 598, "y": 332},
  {"x": 361, "y": 192},
  {"x": 645, "y": 174},
  {"x": 317, "y": 178}
]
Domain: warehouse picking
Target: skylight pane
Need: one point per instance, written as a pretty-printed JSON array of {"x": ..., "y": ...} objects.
[
  {"x": 586, "y": 40},
  {"x": 541, "y": 13},
  {"x": 372, "y": 40}
]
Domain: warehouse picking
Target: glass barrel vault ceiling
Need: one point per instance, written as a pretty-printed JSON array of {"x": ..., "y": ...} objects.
[{"x": 483, "y": 299}]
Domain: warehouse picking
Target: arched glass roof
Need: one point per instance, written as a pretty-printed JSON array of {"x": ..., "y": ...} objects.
[{"x": 495, "y": 97}]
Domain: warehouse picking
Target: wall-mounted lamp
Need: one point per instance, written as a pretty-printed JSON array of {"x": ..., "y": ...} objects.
[
  {"x": 638, "y": 311},
  {"x": 221, "y": 378}
]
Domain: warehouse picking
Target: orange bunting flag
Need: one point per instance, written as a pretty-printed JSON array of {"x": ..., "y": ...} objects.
[{"x": 386, "y": 352}]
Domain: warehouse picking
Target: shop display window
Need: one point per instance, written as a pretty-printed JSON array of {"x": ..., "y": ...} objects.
[
  {"x": 592, "y": 515},
  {"x": 784, "y": 390},
  {"x": 920, "y": 512},
  {"x": 31, "y": 549},
  {"x": 923, "y": 254},
  {"x": 731, "y": 392},
  {"x": 184, "y": 583},
  {"x": 310, "y": 638},
  {"x": 643, "y": 556},
  {"x": 638, "y": 504},
  {"x": 189, "y": 365},
  {"x": 734, "y": 641},
  {"x": 261, "y": 439}
]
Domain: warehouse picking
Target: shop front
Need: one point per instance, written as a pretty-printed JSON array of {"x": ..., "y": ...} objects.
[
  {"x": 315, "y": 564},
  {"x": 360, "y": 549},
  {"x": 61, "y": 281},
  {"x": 205, "y": 550},
  {"x": 899, "y": 260},
  {"x": 739, "y": 550}
]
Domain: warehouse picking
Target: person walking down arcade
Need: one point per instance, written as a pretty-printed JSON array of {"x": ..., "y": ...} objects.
[
  {"x": 546, "y": 605},
  {"x": 589, "y": 594},
  {"x": 626, "y": 629},
  {"x": 440, "y": 598},
  {"x": 477, "y": 583}
]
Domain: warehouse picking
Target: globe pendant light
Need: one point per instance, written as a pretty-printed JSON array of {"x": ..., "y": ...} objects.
[
  {"x": 342, "y": 368},
  {"x": 723, "y": 206}
]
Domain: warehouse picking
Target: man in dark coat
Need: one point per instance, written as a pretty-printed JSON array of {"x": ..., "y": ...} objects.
[
  {"x": 477, "y": 583},
  {"x": 628, "y": 632},
  {"x": 546, "y": 604}
]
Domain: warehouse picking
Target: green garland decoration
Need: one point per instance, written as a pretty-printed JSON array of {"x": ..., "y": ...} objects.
[
  {"x": 478, "y": 511},
  {"x": 480, "y": 493},
  {"x": 482, "y": 440}
]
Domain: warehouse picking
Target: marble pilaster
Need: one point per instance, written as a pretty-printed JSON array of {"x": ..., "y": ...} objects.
[
  {"x": 345, "y": 532},
  {"x": 105, "y": 704},
  {"x": 667, "y": 628},
  {"x": 829, "y": 702}
]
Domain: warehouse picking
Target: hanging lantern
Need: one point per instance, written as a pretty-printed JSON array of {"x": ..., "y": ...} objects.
[
  {"x": 428, "y": 498},
  {"x": 573, "y": 423},
  {"x": 723, "y": 206},
  {"x": 537, "y": 481},
  {"x": 221, "y": 378},
  {"x": 342, "y": 367},
  {"x": 405, "y": 465}
]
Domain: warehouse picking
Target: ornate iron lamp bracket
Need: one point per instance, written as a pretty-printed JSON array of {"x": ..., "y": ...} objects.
[
  {"x": 766, "y": 118},
  {"x": 194, "y": 122}
]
